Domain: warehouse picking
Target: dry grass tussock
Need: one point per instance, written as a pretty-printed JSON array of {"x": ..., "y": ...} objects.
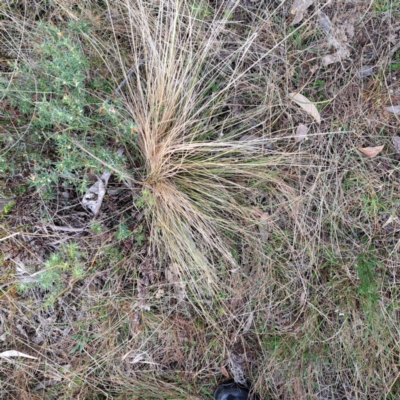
[
  {"x": 197, "y": 172},
  {"x": 223, "y": 245}
]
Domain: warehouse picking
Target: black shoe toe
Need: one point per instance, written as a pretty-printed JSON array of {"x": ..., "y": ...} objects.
[{"x": 230, "y": 391}]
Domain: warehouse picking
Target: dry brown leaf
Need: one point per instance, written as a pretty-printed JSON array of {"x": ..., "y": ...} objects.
[
  {"x": 301, "y": 133},
  {"x": 298, "y": 9},
  {"x": 396, "y": 143},
  {"x": 15, "y": 353},
  {"x": 331, "y": 58},
  {"x": 371, "y": 151},
  {"x": 306, "y": 105},
  {"x": 224, "y": 372}
]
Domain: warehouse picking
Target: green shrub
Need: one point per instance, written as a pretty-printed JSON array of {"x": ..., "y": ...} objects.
[
  {"x": 64, "y": 128},
  {"x": 50, "y": 277}
]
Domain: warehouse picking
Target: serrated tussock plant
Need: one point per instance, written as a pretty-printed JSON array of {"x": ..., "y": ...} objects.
[{"x": 198, "y": 173}]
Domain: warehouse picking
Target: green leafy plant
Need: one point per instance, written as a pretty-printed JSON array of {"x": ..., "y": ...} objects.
[
  {"x": 368, "y": 287},
  {"x": 6, "y": 205},
  {"x": 71, "y": 130},
  {"x": 139, "y": 234},
  {"x": 82, "y": 340},
  {"x": 122, "y": 231},
  {"x": 50, "y": 278},
  {"x": 382, "y": 6},
  {"x": 95, "y": 226}
]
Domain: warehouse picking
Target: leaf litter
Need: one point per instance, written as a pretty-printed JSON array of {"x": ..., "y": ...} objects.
[
  {"x": 93, "y": 198},
  {"x": 301, "y": 133},
  {"x": 337, "y": 37},
  {"x": 306, "y": 105},
  {"x": 299, "y": 7},
  {"x": 224, "y": 372},
  {"x": 396, "y": 143},
  {"x": 393, "y": 109},
  {"x": 371, "y": 152},
  {"x": 365, "y": 71},
  {"x": 15, "y": 353}
]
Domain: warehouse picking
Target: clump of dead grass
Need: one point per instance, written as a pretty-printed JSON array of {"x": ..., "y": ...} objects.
[{"x": 198, "y": 167}]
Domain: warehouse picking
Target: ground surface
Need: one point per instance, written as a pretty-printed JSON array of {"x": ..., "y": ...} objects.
[{"x": 315, "y": 314}]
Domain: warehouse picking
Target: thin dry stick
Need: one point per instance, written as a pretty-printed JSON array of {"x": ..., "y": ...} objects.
[
  {"x": 9, "y": 236},
  {"x": 66, "y": 228},
  {"x": 130, "y": 73}
]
